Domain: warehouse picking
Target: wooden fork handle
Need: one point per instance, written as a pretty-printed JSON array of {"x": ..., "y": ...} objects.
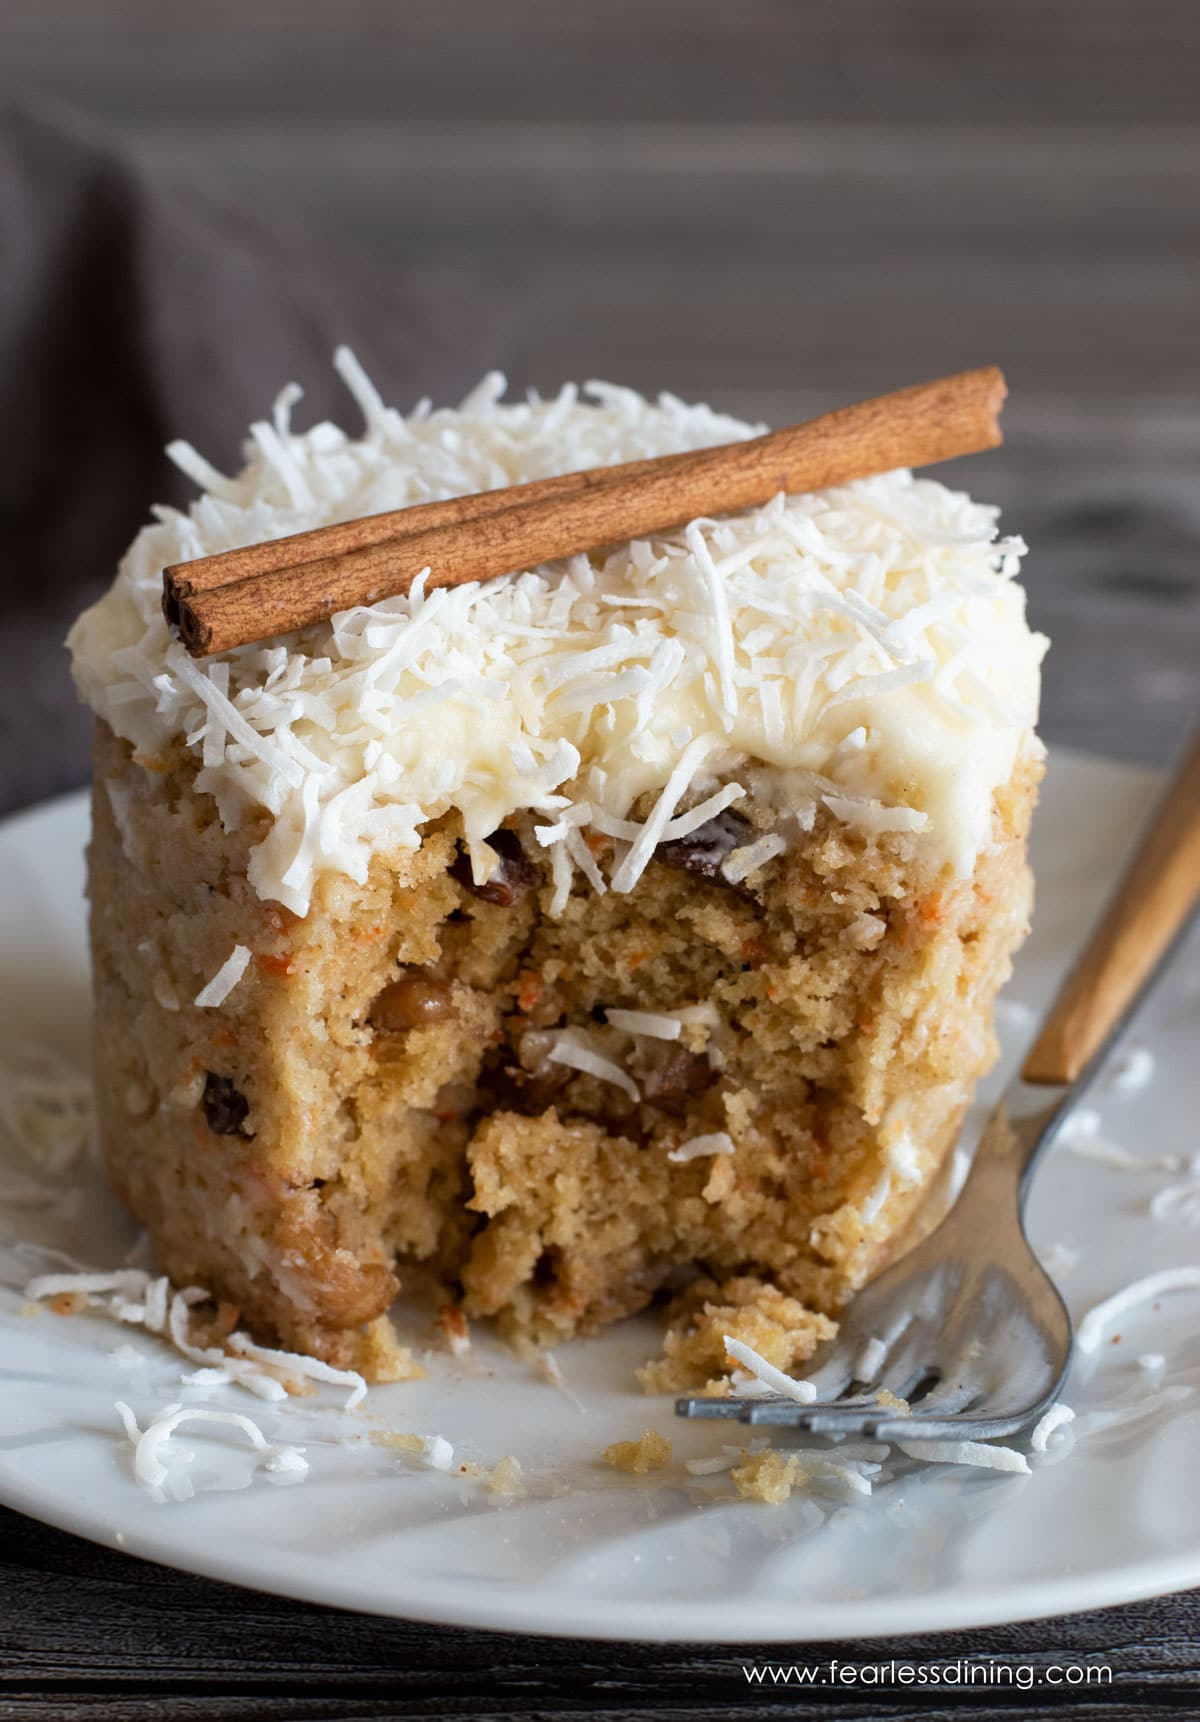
[{"x": 1156, "y": 894}]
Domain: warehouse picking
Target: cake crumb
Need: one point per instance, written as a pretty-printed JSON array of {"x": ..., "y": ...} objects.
[
  {"x": 505, "y": 1478},
  {"x": 69, "y": 1303},
  {"x": 890, "y": 1402},
  {"x": 379, "y": 1356},
  {"x": 722, "y": 1180},
  {"x": 649, "y": 1453},
  {"x": 454, "y": 1329},
  {"x": 778, "y": 1327},
  {"x": 28, "y": 1309},
  {"x": 395, "y": 1439},
  {"x": 769, "y": 1477}
]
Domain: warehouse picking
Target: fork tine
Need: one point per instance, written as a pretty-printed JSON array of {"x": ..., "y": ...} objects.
[
  {"x": 843, "y": 1416},
  {"x": 877, "y": 1423}
]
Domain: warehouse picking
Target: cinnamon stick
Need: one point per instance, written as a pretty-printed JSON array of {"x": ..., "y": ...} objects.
[
  {"x": 220, "y": 602},
  {"x": 183, "y": 580}
]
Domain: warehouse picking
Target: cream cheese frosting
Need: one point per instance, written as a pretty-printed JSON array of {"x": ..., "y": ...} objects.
[{"x": 864, "y": 649}]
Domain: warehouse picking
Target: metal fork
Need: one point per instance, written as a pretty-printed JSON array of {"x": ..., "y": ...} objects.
[{"x": 968, "y": 1328}]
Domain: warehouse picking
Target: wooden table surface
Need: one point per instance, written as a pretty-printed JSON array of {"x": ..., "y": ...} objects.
[{"x": 776, "y": 206}]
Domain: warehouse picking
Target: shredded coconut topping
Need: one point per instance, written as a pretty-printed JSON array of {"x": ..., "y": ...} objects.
[{"x": 869, "y": 641}]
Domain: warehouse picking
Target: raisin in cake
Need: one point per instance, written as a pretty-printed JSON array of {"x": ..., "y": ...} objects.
[{"x": 622, "y": 922}]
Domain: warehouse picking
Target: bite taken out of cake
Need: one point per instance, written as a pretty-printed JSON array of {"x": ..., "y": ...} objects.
[{"x": 628, "y": 926}]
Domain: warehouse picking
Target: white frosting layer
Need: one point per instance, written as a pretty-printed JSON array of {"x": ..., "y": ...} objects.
[{"x": 865, "y": 648}]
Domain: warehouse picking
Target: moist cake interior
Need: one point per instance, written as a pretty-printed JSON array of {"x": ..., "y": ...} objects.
[{"x": 382, "y": 1087}]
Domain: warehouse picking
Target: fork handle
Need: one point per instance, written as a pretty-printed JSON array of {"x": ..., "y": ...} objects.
[{"x": 1153, "y": 901}]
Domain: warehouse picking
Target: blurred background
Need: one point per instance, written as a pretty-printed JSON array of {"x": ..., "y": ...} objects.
[{"x": 776, "y": 205}]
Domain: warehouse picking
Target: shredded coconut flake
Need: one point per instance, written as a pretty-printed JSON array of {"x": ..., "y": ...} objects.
[
  {"x": 1055, "y": 1418},
  {"x": 718, "y": 1142},
  {"x": 149, "y": 1443},
  {"x": 1080, "y": 1135},
  {"x": 742, "y": 862},
  {"x": 980, "y": 1453},
  {"x": 1104, "y": 1153},
  {"x": 135, "y": 1297},
  {"x": 654, "y": 1023},
  {"x": 870, "y": 1360},
  {"x": 288, "y": 1461},
  {"x": 439, "y": 1454},
  {"x": 308, "y": 1368},
  {"x": 225, "y": 979},
  {"x": 869, "y": 1211},
  {"x": 1100, "y": 1318},
  {"x": 1132, "y": 1070},
  {"x": 1179, "y": 1203},
  {"x": 570, "y": 1048},
  {"x": 803, "y": 1392},
  {"x": 1058, "y": 1259}
]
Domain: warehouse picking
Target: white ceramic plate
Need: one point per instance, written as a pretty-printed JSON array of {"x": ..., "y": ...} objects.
[{"x": 584, "y": 1549}]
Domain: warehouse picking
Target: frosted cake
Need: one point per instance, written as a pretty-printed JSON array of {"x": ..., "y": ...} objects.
[{"x": 625, "y": 927}]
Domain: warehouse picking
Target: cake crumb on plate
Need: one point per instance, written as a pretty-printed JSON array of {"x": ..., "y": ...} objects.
[
  {"x": 769, "y": 1477},
  {"x": 649, "y": 1453},
  {"x": 778, "y": 1327},
  {"x": 505, "y": 1478}
]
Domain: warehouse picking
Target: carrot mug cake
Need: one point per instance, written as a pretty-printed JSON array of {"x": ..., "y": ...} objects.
[{"x": 570, "y": 935}]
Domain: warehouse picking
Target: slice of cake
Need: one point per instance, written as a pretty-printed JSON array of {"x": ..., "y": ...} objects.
[{"x": 622, "y": 924}]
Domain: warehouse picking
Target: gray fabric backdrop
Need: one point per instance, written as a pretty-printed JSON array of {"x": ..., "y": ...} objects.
[{"x": 132, "y": 310}]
